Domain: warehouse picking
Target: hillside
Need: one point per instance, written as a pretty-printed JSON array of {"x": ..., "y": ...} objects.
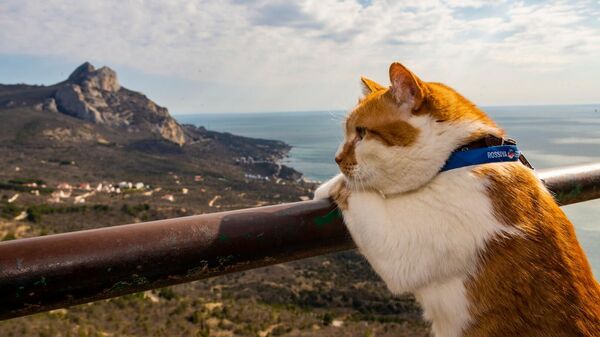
[
  {"x": 130, "y": 137},
  {"x": 87, "y": 152},
  {"x": 95, "y": 95}
]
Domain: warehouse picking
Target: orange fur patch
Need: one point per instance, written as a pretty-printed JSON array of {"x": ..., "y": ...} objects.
[
  {"x": 538, "y": 283},
  {"x": 381, "y": 115},
  {"x": 370, "y": 86},
  {"x": 445, "y": 104}
]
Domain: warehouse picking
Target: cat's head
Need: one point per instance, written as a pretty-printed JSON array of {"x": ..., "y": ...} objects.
[{"x": 398, "y": 138}]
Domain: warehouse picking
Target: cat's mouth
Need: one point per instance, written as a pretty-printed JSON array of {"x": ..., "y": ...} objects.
[
  {"x": 348, "y": 170},
  {"x": 356, "y": 179}
]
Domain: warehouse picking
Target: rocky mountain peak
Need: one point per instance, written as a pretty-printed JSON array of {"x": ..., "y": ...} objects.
[
  {"x": 82, "y": 71},
  {"x": 96, "y": 96},
  {"x": 104, "y": 78}
]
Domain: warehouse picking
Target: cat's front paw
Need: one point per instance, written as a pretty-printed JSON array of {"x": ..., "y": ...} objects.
[
  {"x": 324, "y": 190},
  {"x": 336, "y": 189},
  {"x": 340, "y": 193}
]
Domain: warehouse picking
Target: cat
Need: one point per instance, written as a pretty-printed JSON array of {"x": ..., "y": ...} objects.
[{"x": 484, "y": 248}]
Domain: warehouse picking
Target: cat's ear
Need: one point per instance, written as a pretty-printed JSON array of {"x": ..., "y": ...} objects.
[
  {"x": 406, "y": 87},
  {"x": 369, "y": 86}
]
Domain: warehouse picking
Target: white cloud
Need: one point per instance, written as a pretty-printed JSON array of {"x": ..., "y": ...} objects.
[
  {"x": 545, "y": 35},
  {"x": 471, "y": 3},
  {"x": 269, "y": 55}
]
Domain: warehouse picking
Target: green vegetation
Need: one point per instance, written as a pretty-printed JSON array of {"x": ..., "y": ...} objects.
[
  {"x": 9, "y": 236},
  {"x": 62, "y": 162},
  {"x": 134, "y": 210},
  {"x": 10, "y": 211},
  {"x": 35, "y": 212},
  {"x": 20, "y": 187},
  {"x": 327, "y": 319},
  {"x": 101, "y": 208},
  {"x": 132, "y": 190},
  {"x": 167, "y": 293},
  {"x": 25, "y": 181}
]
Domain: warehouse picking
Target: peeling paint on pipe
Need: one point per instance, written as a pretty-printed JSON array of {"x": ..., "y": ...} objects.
[
  {"x": 573, "y": 184},
  {"x": 49, "y": 272}
]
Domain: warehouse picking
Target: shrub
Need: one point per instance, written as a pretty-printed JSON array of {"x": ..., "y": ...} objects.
[
  {"x": 23, "y": 181},
  {"x": 10, "y": 211},
  {"x": 21, "y": 188},
  {"x": 9, "y": 236},
  {"x": 134, "y": 210},
  {"x": 101, "y": 208},
  {"x": 167, "y": 293},
  {"x": 34, "y": 213}
]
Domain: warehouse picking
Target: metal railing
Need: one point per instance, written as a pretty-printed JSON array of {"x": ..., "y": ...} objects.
[{"x": 44, "y": 273}]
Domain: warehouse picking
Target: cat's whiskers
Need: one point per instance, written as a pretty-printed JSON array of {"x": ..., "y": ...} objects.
[
  {"x": 361, "y": 175},
  {"x": 361, "y": 182},
  {"x": 337, "y": 118}
]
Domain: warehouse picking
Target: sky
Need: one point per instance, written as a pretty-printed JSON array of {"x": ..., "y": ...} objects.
[{"x": 196, "y": 56}]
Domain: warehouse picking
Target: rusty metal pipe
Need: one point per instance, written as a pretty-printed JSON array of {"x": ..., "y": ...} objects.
[
  {"x": 573, "y": 184},
  {"x": 44, "y": 273}
]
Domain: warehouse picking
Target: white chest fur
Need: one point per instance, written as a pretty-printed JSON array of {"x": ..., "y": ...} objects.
[{"x": 426, "y": 241}]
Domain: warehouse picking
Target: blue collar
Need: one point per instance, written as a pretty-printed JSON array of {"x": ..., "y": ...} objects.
[{"x": 482, "y": 155}]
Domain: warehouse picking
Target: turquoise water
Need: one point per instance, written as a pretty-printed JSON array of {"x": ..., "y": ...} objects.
[{"x": 550, "y": 136}]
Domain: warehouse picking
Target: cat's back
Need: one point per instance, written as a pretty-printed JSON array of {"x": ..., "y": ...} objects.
[{"x": 538, "y": 282}]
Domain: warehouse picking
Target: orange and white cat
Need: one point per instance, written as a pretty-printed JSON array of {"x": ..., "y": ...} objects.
[{"x": 485, "y": 249}]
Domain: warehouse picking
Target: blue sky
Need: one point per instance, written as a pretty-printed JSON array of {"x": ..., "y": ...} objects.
[{"x": 237, "y": 56}]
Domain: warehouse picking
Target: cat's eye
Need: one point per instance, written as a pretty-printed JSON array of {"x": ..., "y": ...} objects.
[{"x": 360, "y": 132}]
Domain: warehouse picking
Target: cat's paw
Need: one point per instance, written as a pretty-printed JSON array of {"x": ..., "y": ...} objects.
[
  {"x": 336, "y": 188},
  {"x": 340, "y": 193},
  {"x": 324, "y": 190}
]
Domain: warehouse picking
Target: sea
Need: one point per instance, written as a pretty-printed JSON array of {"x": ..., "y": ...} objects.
[{"x": 549, "y": 136}]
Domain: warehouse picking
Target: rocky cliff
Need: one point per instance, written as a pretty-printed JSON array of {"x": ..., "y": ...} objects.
[
  {"x": 95, "y": 96},
  {"x": 93, "y": 120}
]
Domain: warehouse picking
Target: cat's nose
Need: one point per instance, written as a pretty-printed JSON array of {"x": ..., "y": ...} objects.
[{"x": 338, "y": 159}]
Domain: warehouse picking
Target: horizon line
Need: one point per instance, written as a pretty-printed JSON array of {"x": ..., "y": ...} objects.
[{"x": 509, "y": 105}]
